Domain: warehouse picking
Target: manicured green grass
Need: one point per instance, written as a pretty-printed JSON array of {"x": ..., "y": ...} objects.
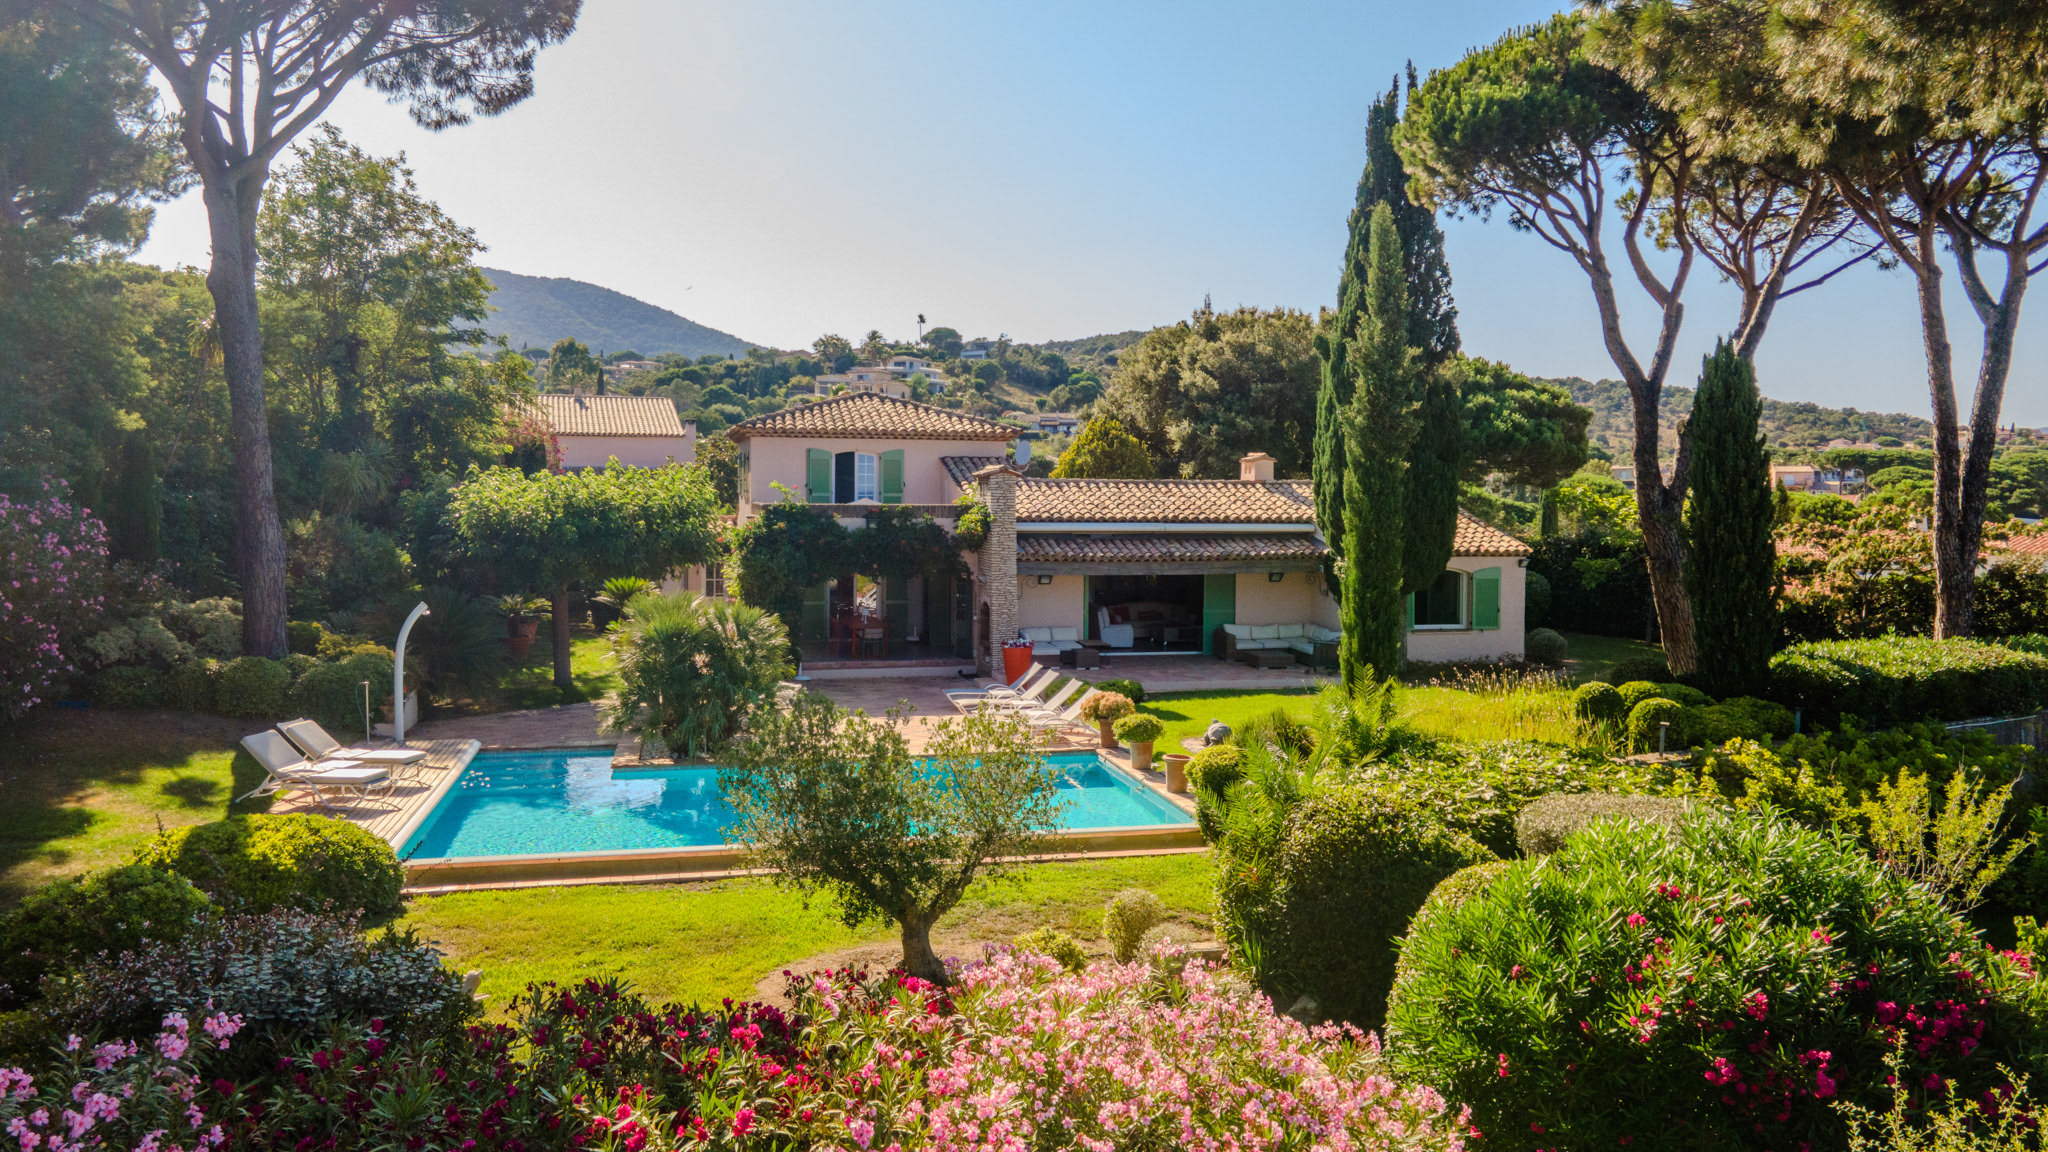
[
  {"x": 1591, "y": 656},
  {"x": 1516, "y": 714},
  {"x": 1189, "y": 713},
  {"x": 532, "y": 684},
  {"x": 87, "y": 789},
  {"x": 703, "y": 942}
]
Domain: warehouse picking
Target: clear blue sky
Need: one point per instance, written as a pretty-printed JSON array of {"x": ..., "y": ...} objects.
[{"x": 1049, "y": 170}]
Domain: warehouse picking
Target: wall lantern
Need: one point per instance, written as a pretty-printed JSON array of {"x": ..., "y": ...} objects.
[
  {"x": 1275, "y": 577},
  {"x": 1045, "y": 577}
]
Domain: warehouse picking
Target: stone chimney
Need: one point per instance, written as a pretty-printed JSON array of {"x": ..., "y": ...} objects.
[
  {"x": 1257, "y": 466},
  {"x": 999, "y": 555}
]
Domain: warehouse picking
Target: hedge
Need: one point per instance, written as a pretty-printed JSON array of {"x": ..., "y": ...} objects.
[
  {"x": 256, "y": 863},
  {"x": 1898, "y": 679}
]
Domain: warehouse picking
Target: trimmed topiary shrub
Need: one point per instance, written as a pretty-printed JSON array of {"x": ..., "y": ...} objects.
[
  {"x": 1636, "y": 691},
  {"x": 189, "y": 686},
  {"x": 1726, "y": 986},
  {"x": 1896, "y": 679},
  {"x": 128, "y": 687},
  {"x": 1129, "y": 689},
  {"x": 1685, "y": 694},
  {"x": 1543, "y": 646},
  {"x": 1056, "y": 944},
  {"x": 1138, "y": 729},
  {"x": 1597, "y": 703},
  {"x": 1737, "y": 718},
  {"x": 1548, "y": 821},
  {"x": 1651, "y": 668},
  {"x": 1215, "y": 768},
  {"x": 1646, "y": 721},
  {"x": 254, "y": 687},
  {"x": 111, "y": 911},
  {"x": 1324, "y": 912},
  {"x": 256, "y": 863},
  {"x": 333, "y": 693},
  {"x": 1129, "y": 915}
]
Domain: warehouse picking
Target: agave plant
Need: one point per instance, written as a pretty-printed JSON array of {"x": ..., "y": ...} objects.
[
  {"x": 520, "y": 605},
  {"x": 693, "y": 669}
]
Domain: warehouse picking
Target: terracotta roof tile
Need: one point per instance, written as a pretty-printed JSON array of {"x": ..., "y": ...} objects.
[
  {"x": 1063, "y": 548},
  {"x": 609, "y": 415},
  {"x": 963, "y": 468},
  {"x": 873, "y": 414},
  {"x": 2031, "y": 544},
  {"x": 1165, "y": 501},
  {"x": 1476, "y": 539}
]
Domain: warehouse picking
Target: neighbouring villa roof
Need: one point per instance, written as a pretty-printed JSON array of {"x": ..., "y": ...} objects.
[
  {"x": 2034, "y": 544},
  {"x": 1476, "y": 539},
  {"x": 1064, "y": 548},
  {"x": 875, "y": 415},
  {"x": 963, "y": 468},
  {"x": 576, "y": 415},
  {"x": 1165, "y": 502}
]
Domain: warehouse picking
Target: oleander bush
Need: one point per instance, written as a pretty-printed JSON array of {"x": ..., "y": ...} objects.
[
  {"x": 256, "y": 863},
  {"x": 1544, "y": 646},
  {"x": 1903, "y": 679},
  {"x": 254, "y": 687},
  {"x": 128, "y": 686},
  {"x": 1632, "y": 668},
  {"x": 1646, "y": 721},
  {"x": 110, "y": 911},
  {"x": 1128, "y": 916},
  {"x": 1548, "y": 821},
  {"x": 1049, "y": 941},
  {"x": 1722, "y": 987}
]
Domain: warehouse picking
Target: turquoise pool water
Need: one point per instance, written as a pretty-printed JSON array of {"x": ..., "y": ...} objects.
[{"x": 521, "y": 803}]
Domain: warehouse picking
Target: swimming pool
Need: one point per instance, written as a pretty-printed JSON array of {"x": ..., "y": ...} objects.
[{"x": 570, "y": 800}]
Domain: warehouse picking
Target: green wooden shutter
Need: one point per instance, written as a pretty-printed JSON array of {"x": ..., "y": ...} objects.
[
  {"x": 1219, "y": 607},
  {"x": 1486, "y": 599},
  {"x": 892, "y": 476},
  {"x": 818, "y": 476},
  {"x": 811, "y": 622},
  {"x": 896, "y": 606}
]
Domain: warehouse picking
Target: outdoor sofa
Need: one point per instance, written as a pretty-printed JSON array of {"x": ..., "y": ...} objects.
[{"x": 1309, "y": 644}]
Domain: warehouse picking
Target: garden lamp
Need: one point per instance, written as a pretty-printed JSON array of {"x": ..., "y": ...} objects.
[{"x": 398, "y": 675}]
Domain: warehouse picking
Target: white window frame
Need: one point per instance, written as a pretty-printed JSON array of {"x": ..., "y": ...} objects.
[
  {"x": 1464, "y": 623},
  {"x": 714, "y": 581},
  {"x": 867, "y": 476}
]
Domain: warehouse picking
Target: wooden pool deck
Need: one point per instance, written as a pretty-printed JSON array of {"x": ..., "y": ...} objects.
[{"x": 394, "y": 815}]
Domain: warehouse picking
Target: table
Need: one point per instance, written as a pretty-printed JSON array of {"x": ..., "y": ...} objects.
[{"x": 1088, "y": 655}]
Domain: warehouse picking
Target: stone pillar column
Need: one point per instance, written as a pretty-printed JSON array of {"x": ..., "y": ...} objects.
[{"x": 999, "y": 555}]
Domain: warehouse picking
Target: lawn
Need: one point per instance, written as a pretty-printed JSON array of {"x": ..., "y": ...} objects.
[
  {"x": 1591, "y": 656},
  {"x": 86, "y": 789},
  {"x": 532, "y": 683},
  {"x": 1189, "y": 713},
  {"x": 704, "y": 942},
  {"x": 1520, "y": 714}
]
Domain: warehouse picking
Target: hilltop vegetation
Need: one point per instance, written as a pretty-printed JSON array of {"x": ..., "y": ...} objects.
[
  {"x": 536, "y": 311},
  {"x": 1786, "y": 424}
]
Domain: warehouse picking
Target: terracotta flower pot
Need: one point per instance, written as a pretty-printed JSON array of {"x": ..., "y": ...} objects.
[
  {"x": 1108, "y": 736},
  {"x": 1177, "y": 771},
  {"x": 1141, "y": 756},
  {"x": 522, "y": 627},
  {"x": 517, "y": 646}
]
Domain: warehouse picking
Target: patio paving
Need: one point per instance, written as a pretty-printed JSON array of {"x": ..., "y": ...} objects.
[
  {"x": 563, "y": 726},
  {"x": 392, "y": 815}
]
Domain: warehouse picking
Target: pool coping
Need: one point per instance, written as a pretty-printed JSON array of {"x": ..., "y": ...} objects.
[{"x": 444, "y": 874}]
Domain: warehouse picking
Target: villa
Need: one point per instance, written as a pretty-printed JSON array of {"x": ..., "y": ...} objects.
[
  {"x": 642, "y": 431},
  {"x": 1229, "y": 568}
]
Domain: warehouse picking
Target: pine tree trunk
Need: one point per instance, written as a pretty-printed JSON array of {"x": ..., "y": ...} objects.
[
  {"x": 918, "y": 958},
  {"x": 231, "y": 217},
  {"x": 561, "y": 636}
]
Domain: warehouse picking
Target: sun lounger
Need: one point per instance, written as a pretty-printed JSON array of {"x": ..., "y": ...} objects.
[
  {"x": 1034, "y": 688},
  {"x": 993, "y": 688},
  {"x": 321, "y": 748},
  {"x": 285, "y": 769},
  {"x": 1053, "y": 705},
  {"x": 1052, "y": 723}
]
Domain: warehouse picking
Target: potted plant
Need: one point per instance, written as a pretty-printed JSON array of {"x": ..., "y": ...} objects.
[
  {"x": 1177, "y": 771},
  {"x": 1139, "y": 731},
  {"x": 1105, "y": 709},
  {"x": 522, "y": 612}
]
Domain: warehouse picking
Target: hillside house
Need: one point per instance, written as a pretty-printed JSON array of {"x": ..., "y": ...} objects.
[
  {"x": 1229, "y": 568},
  {"x": 643, "y": 431}
]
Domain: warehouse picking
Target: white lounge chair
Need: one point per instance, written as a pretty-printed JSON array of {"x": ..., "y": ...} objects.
[
  {"x": 1053, "y": 705},
  {"x": 285, "y": 769},
  {"x": 1033, "y": 690},
  {"x": 1053, "y": 723},
  {"x": 321, "y": 748},
  {"x": 993, "y": 688}
]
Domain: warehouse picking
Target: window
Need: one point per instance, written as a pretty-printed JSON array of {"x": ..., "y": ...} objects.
[
  {"x": 866, "y": 482},
  {"x": 1442, "y": 604},
  {"x": 714, "y": 581}
]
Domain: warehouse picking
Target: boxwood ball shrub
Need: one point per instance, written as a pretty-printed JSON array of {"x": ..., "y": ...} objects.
[
  {"x": 1724, "y": 987},
  {"x": 189, "y": 686},
  {"x": 1129, "y": 689},
  {"x": 1646, "y": 721},
  {"x": 253, "y": 686},
  {"x": 1138, "y": 728},
  {"x": 1897, "y": 679},
  {"x": 1595, "y": 703},
  {"x": 128, "y": 687},
  {"x": 256, "y": 863},
  {"x": 1636, "y": 691},
  {"x": 1548, "y": 821},
  {"x": 111, "y": 911},
  {"x": 1215, "y": 768},
  {"x": 1325, "y": 913},
  {"x": 1651, "y": 668},
  {"x": 1048, "y": 941},
  {"x": 1129, "y": 915},
  {"x": 1544, "y": 646}
]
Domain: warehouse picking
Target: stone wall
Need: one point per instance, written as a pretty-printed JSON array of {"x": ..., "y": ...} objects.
[{"x": 998, "y": 587}]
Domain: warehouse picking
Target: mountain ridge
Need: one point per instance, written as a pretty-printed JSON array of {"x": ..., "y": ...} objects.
[{"x": 536, "y": 311}]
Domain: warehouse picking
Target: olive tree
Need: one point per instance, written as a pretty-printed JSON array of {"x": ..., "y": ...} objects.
[{"x": 836, "y": 802}]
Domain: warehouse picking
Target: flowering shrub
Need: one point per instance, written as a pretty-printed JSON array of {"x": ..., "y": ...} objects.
[
  {"x": 1021, "y": 1054},
  {"x": 1724, "y": 986},
  {"x": 52, "y": 554},
  {"x": 1107, "y": 708},
  {"x": 119, "y": 1094}
]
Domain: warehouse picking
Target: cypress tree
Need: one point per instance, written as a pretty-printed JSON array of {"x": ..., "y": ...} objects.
[
  {"x": 137, "y": 523},
  {"x": 1378, "y": 425},
  {"x": 1431, "y": 327},
  {"x": 1730, "y": 564},
  {"x": 1429, "y": 519}
]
